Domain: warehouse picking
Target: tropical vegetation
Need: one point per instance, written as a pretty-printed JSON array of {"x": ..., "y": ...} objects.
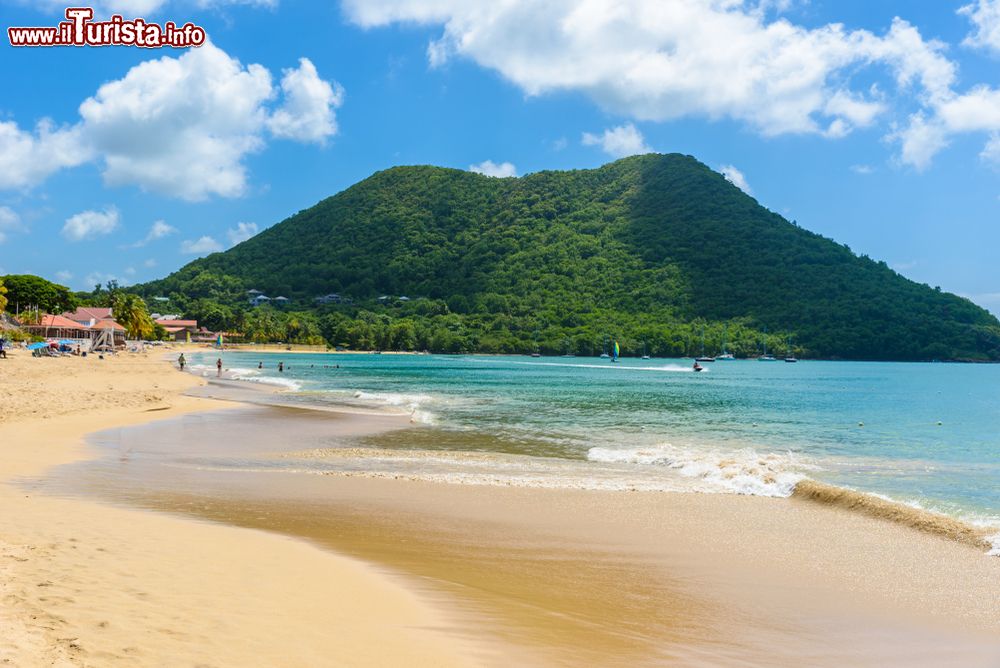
[{"x": 656, "y": 251}]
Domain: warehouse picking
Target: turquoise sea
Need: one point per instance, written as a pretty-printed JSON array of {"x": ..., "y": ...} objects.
[{"x": 923, "y": 434}]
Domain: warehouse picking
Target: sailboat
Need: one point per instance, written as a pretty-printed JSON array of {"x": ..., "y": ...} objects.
[
  {"x": 725, "y": 355},
  {"x": 644, "y": 355},
  {"x": 765, "y": 357},
  {"x": 703, "y": 358},
  {"x": 790, "y": 358},
  {"x": 614, "y": 352},
  {"x": 604, "y": 353}
]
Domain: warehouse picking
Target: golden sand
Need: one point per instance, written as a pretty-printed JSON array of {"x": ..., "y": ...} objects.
[
  {"x": 83, "y": 584},
  {"x": 464, "y": 575}
]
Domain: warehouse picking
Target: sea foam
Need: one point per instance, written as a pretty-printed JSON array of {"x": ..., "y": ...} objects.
[{"x": 741, "y": 472}]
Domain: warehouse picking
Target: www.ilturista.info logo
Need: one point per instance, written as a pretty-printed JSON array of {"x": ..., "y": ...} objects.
[{"x": 79, "y": 29}]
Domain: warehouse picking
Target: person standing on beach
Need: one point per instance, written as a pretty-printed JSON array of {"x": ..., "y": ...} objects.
[
  {"x": 281, "y": 367},
  {"x": 181, "y": 361},
  {"x": 218, "y": 367}
]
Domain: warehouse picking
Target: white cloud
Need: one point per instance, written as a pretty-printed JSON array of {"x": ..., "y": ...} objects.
[
  {"x": 736, "y": 177},
  {"x": 158, "y": 230},
  {"x": 91, "y": 224},
  {"x": 201, "y": 246},
  {"x": 863, "y": 170},
  {"x": 241, "y": 232},
  {"x": 64, "y": 276},
  {"x": 991, "y": 152},
  {"x": 180, "y": 126},
  {"x": 619, "y": 142},
  {"x": 28, "y": 158},
  {"x": 490, "y": 168},
  {"x": 307, "y": 114},
  {"x": 10, "y": 221},
  {"x": 985, "y": 18},
  {"x": 666, "y": 59},
  {"x": 129, "y": 271},
  {"x": 149, "y": 263}
]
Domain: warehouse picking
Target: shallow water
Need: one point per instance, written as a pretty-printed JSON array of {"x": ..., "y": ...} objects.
[{"x": 924, "y": 434}]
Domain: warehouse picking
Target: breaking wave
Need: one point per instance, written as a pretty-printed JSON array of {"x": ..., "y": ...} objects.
[
  {"x": 741, "y": 472},
  {"x": 879, "y": 507}
]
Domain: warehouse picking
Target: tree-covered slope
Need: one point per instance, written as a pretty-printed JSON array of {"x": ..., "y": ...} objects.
[{"x": 648, "y": 241}]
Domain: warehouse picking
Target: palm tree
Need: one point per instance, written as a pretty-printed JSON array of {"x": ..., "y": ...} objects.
[{"x": 131, "y": 313}]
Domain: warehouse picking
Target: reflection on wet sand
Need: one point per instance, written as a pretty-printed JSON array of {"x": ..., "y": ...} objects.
[{"x": 571, "y": 576}]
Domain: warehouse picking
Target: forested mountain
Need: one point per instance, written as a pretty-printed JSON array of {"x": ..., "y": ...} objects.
[{"x": 654, "y": 248}]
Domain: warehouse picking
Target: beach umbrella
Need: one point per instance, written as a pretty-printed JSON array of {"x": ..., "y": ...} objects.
[{"x": 36, "y": 346}]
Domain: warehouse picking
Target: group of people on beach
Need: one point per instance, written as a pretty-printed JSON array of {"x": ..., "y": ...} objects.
[{"x": 182, "y": 362}]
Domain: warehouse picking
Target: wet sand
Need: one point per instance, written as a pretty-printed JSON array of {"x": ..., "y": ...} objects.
[
  {"x": 581, "y": 577},
  {"x": 86, "y": 584}
]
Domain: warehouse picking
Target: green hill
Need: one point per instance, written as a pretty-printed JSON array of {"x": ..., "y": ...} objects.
[{"x": 653, "y": 248}]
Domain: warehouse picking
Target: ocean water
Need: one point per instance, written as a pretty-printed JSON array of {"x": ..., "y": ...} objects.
[{"x": 927, "y": 435}]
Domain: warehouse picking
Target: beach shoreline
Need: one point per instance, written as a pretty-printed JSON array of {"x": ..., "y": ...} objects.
[
  {"x": 551, "y": 576},
  {"x": 87, "y": 583}
]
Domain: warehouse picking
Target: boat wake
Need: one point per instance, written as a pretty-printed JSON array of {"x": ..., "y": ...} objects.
[{"x": 668, "y": 368}]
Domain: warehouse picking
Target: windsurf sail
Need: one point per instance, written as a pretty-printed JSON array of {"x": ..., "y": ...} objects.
[{"x": 615, "y": 356}]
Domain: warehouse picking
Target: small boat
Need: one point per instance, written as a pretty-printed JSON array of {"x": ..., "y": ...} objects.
[
  {"x": 790, "y": 357},
  {"x": 725, "y": 355},
  {"x": 704, "y": 357},
  {"x": 645, "y": 356},
  {"x": 536, "y": 354},
  {"x": 615, "y": 350},
  {"x": 765, "y": 357},
  {"x": 697, "y": 367},
  {"x": 604, "y": 353}
]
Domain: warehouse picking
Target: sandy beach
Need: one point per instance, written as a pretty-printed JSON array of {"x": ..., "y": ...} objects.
[
  {"x": 257, "y": 568},
  {"x": 85, "y": 584}
]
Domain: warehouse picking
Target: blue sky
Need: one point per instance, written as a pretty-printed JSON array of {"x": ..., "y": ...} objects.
[{"x": 874, "y": 123}]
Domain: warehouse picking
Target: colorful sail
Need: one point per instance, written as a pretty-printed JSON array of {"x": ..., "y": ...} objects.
[
  {"x": 218, "y": 341},
  {"x": 187, "y": 336},
  {"x": 616, "y": 350}
]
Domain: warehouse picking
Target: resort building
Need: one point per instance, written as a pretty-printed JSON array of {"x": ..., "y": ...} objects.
[
  {"x": 178, "y": 329},
  {"x": 332, "y": 298},
  {"x": 61, "y": 327},
  {"x": 89, "y": 316}
]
